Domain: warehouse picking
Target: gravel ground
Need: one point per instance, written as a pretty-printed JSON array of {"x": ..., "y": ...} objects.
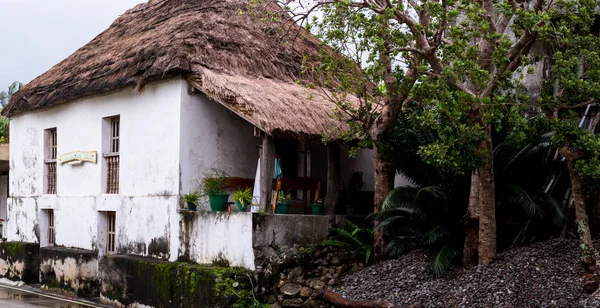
[{"x": 540, "y": 275}]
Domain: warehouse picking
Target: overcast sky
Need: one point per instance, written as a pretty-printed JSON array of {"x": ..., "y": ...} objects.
[{"x": 37, "y": 34}]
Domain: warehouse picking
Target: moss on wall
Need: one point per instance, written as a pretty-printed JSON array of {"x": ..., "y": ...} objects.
[
  {"x": 27, "y": 254},
  {"x": 175, "y": 284},
  {"x": 57, "y": 273}
]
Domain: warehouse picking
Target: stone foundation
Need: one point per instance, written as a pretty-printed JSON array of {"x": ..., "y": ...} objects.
[{"x": 290, "y": 277}]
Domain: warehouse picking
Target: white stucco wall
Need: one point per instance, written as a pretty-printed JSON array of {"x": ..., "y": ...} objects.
[
  {"x": 215, "y": 137},
  {"x": 362, "y": 162},
  {"x": 3, "y": 196},
  {"x": 218, "y": 237},
  {"x": 149, "y": 170}
]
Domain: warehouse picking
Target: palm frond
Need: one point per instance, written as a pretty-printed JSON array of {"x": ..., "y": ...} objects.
[
  {"x": 434, "y": 235},
  {"x": 403, "y": 196},
  {"x": 348, "y": 238},
  {"x": 399, "y": 246},
  {"x": 443, "y": 259},
  {"x": 435, "y": 192},
  {"x": 335, "y": 243},
  {"x": 518, "y": 197},
  {"x": 401, "y": 225},
  {"x": 385, "y": 214},
  {"x": 553, "y": 210}
]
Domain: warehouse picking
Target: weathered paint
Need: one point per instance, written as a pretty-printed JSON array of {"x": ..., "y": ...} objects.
[
  {"x": 71, "y": 270},
  {"x": 214, "y": 137},
  {"x": 149, "y": 174},
  {"x": 217, "y": 238},
  {"x": 3, "y": 197},
  {"x": 230, "y": 238},
  {"x": 19, "y": 261},
  {"x": 290, "y": 230},
  {"x": 134, "y": 282},
  {"x": 169, "y": 138}
]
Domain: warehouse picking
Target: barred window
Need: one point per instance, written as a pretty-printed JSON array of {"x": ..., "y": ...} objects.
[
  {"x": 51, "y": 236},
  {"x": 50, "y": 160},
  {"x": 111, "y": 219},
  {"x": 112, "y": 156}
]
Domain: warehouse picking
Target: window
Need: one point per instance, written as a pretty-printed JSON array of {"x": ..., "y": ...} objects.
[
  {"x": 50, "y": 160},
  {"x": 111, "y": 155},
  {"x": 51, "y": 236},
  {"x": 110, "y": 231}
]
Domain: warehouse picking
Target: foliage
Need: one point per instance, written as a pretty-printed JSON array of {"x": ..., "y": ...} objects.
[
  {"x": 455, "y": 58},
  {"x": 4, "y": 124},
  {"x": 574, "y": 84},
  {"x": 4, "y": 98},
  {"x": 354, "y": 240},
  {"x": 461, "y": 61},
  {"x": 12, "y": 89},
  {"x": 192, "y": 197},
  {"x": 429, "y": 214},
  {"x": 213, "y": 182},
  {"x": 423, "y": 217},
  {"x": 284, "y": 196},
  {"x": 243, "y": 196}
]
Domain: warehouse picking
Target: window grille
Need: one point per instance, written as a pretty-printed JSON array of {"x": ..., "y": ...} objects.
[
  {"x": 112, "y": 157},
  {"x": 51, "y": 237},
  {"x": 110, "y": 232},
  {"x": 50, "y": 161}
]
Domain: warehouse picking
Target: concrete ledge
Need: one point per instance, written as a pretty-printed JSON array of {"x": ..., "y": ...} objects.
[
  {"x": 223, "y": 239},
  {"x": 290, "y": 230},
  {"x": 157, "y": 283},
  {"x": 72, "y": 270},
  {"x": 20, "y": 261}
]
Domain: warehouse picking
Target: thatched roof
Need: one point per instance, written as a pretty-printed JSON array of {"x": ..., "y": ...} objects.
[{"x": 238, "y": 59}]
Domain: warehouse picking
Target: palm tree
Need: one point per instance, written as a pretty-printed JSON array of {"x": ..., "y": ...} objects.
[
  {"x": 430, "y": 213},
  {"x": 12, "y": 89}
]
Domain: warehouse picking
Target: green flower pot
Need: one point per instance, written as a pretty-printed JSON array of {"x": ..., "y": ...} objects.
[
  {"x": 316, "y": 209},
  {"x": 241, "y": 207},
  {"x": 282, "y": 207},
  {"x": 218, "y": 203}
]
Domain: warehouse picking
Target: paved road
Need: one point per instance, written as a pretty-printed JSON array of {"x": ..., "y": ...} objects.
[{"x": 18, "y": 299}]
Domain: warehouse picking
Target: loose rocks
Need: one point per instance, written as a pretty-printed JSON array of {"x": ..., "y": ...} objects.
[{"x": 546, "y": 274}]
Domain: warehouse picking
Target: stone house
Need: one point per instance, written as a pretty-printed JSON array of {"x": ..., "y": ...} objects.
[{"x": 108, "y": 140}]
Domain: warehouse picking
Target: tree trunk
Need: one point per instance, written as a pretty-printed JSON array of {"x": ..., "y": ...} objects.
[
  {"x": 384, "y": 183},
  {"x": 487, "y": 211},
  {"x": 333, "y": 178},
  {"x": 339, "y": 301},
  {"x": 588, "y": 253},
  {"x": 470, "y": 255}
]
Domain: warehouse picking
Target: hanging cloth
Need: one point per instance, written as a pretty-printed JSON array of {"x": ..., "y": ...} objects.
[
  {"x": 277, "y": 174},
  {"x": 277, "y": 171}
]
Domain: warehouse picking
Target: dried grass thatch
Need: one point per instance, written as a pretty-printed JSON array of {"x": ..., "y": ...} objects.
[{"x": 238, "y": 59}]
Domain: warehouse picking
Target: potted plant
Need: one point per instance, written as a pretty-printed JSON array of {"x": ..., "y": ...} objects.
[
  {"x": 316, "y": 207},
  {"x": 283, "y": 202},
  {"x": 191, "y": 200},
  {"x": 213, "y": 186},
  {"x": 242, "y": 198}
]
